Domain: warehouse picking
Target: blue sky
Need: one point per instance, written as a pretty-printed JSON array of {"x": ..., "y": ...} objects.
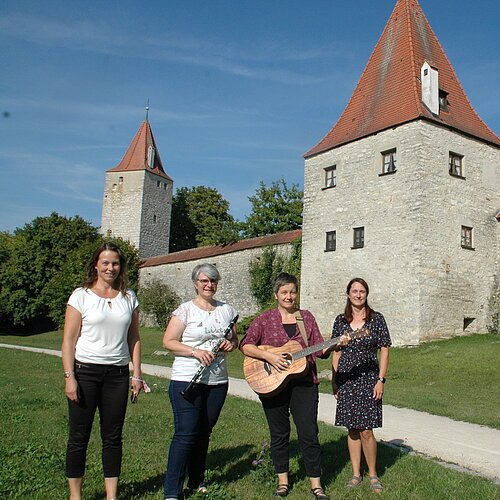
[{"x": 238, "y": 90}]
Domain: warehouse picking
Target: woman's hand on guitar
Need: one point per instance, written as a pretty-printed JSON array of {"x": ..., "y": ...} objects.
[
  {"x": 344, "y": 340},
  {"x": 278, "y": 361}
]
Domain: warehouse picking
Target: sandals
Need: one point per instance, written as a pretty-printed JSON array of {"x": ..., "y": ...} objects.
[
  {"x": 319, "y": 494},
  {"x": 375, "y": 484},
  {"x": 354, "y": 482},
  {"x": 282, "y": 490}
]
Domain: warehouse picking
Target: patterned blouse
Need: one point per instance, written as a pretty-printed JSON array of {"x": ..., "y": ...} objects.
[
  {"x": 362, "y": 352},
  {"x": 267, "y": 329}
]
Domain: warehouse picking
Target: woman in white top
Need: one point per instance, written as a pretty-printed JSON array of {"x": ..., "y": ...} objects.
[
  {"x": 101, "y": 334},
  {"x": 192, "y": 335}
]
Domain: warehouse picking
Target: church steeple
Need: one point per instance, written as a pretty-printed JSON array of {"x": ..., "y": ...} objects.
[
  {"x": 393, "y": 89},
  {"x": 142, "y": 154}
]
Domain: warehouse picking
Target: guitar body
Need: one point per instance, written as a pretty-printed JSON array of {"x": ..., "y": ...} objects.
[{"x": 264, "y": 379}]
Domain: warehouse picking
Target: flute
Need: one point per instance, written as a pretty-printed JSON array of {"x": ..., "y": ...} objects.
[{"x": 214, "y": 351}]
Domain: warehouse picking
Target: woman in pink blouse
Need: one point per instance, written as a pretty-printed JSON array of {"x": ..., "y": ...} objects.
[{"x": 300, "y": 395}]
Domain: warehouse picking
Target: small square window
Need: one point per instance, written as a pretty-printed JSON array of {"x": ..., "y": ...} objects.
[
  {"x": 331, "y": 241},
  {"x": 389, "y": 161},
  {"x": 331, "y": 176},
  {"x": 467, "y": 237},
  {"x": 358, "y": 237},
  {"x": 455, "y": 165}
]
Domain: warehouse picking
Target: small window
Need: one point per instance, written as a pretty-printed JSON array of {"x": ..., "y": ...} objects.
[
  {"x": 165, "y": 186},
  {"x": 359, "y": 237},
  {"x": 443, "y": 100},
  {"x": 455, "y": 165},
  {"x": 154, "y": 219},
  {"x": 158, "y": 183},
  {"x": 331, "y": 241},
  {"x": 120, "y": 180},
  {"x": 331, "y": 176},
  {"x": 389, "y": 161},
  {"x": 467, "y": 237},
  {"x": 151, "y": 157}
]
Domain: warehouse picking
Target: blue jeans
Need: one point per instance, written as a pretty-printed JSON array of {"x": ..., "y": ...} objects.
[
  {"x": 103, "y": 387},
  {"x": 193, "y": 421}
]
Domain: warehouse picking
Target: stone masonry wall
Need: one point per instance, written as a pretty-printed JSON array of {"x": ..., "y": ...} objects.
[
  {"x": 122, "y": 205},
  {"x": 131, "y": 200},
  {"x": 234, "y": 287},
  {"x": 420, "y": 278},
  {"x": 156, "y": 216}
]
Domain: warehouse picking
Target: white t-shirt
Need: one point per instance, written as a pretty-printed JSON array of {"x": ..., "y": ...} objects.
[
  {"x": 203, "y": 330},
  {"x": 104, "y": 331}
]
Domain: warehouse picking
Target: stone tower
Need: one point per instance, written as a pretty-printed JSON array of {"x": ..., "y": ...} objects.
[
  {"x": 138, "y": 197},
  {"x": 404, "y": 191}
]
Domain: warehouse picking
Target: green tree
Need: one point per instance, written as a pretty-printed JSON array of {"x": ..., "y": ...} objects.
[
  {"x": 200, "y": 217},
  {"x": 275, "y": 209},
  {"x": 39, "y": 251},
  {"x": 44, "y": 261}
]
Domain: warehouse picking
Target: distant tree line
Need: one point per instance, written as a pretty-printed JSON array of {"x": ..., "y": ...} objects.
[{"x": 200, "y": 215}]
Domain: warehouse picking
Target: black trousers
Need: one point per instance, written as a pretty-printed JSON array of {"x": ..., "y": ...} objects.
[
  {"x": 103, "y": 387},
  {"x": 300, "y": 399}
]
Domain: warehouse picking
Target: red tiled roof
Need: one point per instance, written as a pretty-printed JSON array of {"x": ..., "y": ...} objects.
[
  {"x": 136, "y": 157},
  {"x": 213, "y": 251},
  {"x": 389, "y": 90}
]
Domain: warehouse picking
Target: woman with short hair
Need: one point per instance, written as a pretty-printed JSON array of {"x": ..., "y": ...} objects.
[
  {"x": 299, "y": 397},
  {"x": 192, "y": 335}
]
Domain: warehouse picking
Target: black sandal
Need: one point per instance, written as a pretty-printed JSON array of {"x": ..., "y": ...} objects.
[
  {"x": 282, "y": 491},
  {"x": 319, "y": 494}
]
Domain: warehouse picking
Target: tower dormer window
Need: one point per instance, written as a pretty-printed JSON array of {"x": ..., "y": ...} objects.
[
  {"x": 151, "y": 157},
  {"x": 443, "y": 100}
]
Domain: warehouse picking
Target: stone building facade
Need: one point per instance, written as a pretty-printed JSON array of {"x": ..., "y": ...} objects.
[
  {"x": 138, "y": 197},
  {"x": 403, "y": 192}
]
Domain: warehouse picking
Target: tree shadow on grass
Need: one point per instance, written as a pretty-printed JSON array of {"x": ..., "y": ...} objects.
[
  {"x": 135, "y": 489},
  {"x": 229, "y": 464},
  {"x": 335, "y": 457}
]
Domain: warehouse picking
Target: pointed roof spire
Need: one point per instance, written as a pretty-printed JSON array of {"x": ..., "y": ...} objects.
[
  {"x": 389, "y": 92},
  {"x": 142, "y": 154}
]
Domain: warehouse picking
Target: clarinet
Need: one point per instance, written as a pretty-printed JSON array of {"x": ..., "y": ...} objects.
[{"x": 215, "y": 349}]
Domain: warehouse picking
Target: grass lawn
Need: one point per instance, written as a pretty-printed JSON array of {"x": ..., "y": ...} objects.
[
  {"x": 33, "y": 438},
  {"x": 456, "y": 378}
]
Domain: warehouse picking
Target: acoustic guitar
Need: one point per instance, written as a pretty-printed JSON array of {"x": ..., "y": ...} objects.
[{"x": 265, "y": 380}]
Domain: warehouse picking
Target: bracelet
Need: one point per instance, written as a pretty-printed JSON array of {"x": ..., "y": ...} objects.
[
  {"x": 68, "y": 374},
  {"x": 139, "y": 379},
  {"x": 192, "y": 353}
]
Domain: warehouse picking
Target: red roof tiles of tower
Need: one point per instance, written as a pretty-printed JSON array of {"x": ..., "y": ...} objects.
[
  {"x": 136, "y": 157},
  {"x": 389, "y": 91}
]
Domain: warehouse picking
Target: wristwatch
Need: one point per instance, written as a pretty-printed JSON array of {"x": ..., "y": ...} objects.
[{"x": 382, "y": 379}]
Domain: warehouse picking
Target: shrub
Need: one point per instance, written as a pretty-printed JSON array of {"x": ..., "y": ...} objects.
[{"x": 158, "y": 301}]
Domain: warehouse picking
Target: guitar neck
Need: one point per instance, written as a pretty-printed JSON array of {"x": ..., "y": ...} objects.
[{"x": 315, "y": 348}]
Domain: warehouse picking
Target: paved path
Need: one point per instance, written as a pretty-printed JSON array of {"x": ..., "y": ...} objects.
[{"x": 470, "y": 446}]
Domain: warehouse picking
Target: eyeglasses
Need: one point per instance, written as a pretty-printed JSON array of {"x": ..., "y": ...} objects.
[{"x": 205, "y": 282}]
